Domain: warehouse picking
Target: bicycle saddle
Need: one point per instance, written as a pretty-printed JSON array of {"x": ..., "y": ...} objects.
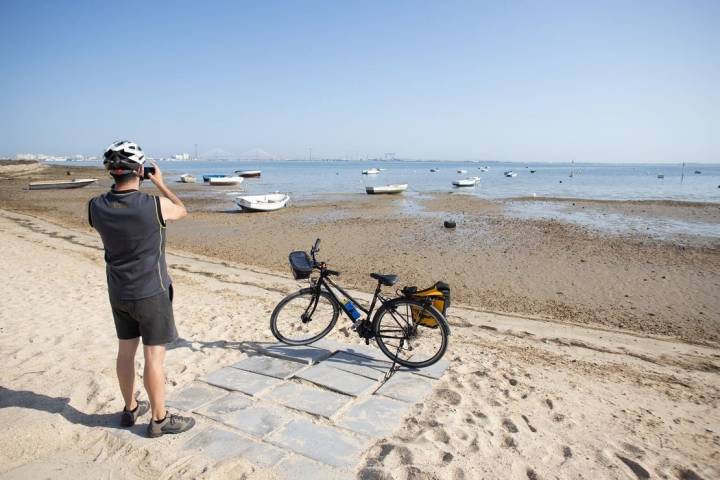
[{"x": 387, "y": 280}]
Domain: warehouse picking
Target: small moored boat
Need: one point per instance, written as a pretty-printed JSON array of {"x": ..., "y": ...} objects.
[
  {"x": 466, "y": 182},
  {"x": 483, "y": 169},
  {"x": 187, "y": 178},
  {"x": 661, "y": 176},
  {"x": 248, "y": 173},
  {"x": 434, "y": 170},
  {"x": 263, "y": 203},
  {"x": 64, "y": 184},
  {"x": 371, "y": 171},
  {"x": 510, "y": 173},
  {"x": 207, "y": 177},
  {"x": 462, "y": 171},
  {"x": 388, "y": 189},
  {"x": 220, "y": 181}
]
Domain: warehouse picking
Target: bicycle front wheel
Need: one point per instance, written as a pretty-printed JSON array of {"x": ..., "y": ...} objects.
[
  {"x": 304, "y": 317},
  {"x": 410, "y": 332}
]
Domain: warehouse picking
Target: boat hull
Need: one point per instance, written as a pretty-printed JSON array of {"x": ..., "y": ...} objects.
[
  {"x": 225, "y": 181},
  {"x": 61, "y": 184},
  {"x": 206, "y": 178},
  {"x": 248, "y": 173},
  {"x": 386, "y": 189},
  {"x": 464, "y": 183},
  {"x": 262, "y": 203}
]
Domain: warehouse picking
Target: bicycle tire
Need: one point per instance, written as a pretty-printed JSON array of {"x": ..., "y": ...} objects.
[
  {"x": 309, "y": 293},
  {"x": 443, "y": 331}
]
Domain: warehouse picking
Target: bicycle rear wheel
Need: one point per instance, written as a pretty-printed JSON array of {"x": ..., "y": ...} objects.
[
  {"x": 410, "y": 332},
  {"x": 304, "y": 317}
]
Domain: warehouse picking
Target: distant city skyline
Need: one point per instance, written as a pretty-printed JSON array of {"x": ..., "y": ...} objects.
[{"x": 616, "y": 82}]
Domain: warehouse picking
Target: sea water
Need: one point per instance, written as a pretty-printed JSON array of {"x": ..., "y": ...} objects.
[{"x": 310, "y": 179}]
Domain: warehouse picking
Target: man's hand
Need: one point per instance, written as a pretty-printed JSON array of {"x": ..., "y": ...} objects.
[
  {"x": 157, "y": 178},
  {"x": 171, "y": 206}
]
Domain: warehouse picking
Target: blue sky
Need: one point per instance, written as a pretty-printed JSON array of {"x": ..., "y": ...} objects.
[{"x": 512, "y": 81}]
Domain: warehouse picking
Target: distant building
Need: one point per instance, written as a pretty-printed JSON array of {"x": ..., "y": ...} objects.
[{"x": 181, "y": 157}]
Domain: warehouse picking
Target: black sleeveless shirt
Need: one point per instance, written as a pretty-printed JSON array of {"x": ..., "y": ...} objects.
[{"x": 132, "y": 229}]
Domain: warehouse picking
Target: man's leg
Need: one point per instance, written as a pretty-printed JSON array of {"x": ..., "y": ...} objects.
[
  {"x": 155, "y": 379},
  {"x": 125, "y": 367}
]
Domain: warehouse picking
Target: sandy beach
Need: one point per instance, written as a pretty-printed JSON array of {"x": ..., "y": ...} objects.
[{"x": 574, "y": 354}]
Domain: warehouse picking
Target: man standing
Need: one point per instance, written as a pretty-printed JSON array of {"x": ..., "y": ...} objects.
[{"x": 132, "y": 227}]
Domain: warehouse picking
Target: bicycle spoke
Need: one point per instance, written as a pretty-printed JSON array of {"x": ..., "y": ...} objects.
[
  {"x": 300, "y": 319},
  {"x": 399, "y": 336}
]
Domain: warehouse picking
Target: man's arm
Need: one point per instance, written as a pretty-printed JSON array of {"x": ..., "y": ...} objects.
[{"x": 171, "y": 206}]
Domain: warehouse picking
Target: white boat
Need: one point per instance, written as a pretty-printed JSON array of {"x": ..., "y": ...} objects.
[
  {"x": 398, "y": 188},
  {"x": 371, "y": 171},
  {"x": 220, "y": 181},
  {"x": 263, "y": 203},
  {"x": 462, "y": 171},
  {"x": 53, "y": 184},
  {"x": 483, "y": 169},
  {"x": 434, "y": 170},
  {"x": 510, "y": 173},
  {"x": 248, "y": 173},
  {"x": 466, "y": 182},
  {"x": 187, "y": 178}
]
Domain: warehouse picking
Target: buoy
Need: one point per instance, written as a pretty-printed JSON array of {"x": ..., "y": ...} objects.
[{"x": 449, "y": 224}]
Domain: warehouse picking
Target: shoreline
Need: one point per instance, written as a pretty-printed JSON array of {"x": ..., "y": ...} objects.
[{"x": 548, "y": 268}]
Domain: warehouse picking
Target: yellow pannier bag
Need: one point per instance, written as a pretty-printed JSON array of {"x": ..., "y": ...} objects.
[{"x": 440, "y": 296}]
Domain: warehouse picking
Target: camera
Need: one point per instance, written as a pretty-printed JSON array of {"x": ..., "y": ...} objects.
[{"x": 147, "y": 171}]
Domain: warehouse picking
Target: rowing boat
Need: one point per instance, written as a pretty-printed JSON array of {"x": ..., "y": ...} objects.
[
  {"x": 64, "y": 184},
  {"x": 388, "y": 189}
]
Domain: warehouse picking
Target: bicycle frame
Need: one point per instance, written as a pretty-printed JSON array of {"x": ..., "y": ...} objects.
[{"x": 324, "y": 281}]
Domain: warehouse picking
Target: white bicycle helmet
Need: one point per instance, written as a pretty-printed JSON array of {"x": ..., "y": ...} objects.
[{"x": 123, "y": 155}]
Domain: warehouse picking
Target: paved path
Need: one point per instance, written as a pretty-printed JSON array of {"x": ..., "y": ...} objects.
[{"x": 310, "y": 410}]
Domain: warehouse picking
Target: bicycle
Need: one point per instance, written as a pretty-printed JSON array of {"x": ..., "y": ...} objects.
[{"x": 411, "y": 332}]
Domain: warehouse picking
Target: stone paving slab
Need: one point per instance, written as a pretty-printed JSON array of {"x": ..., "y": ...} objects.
[
  {"x": 369, "y": 351},
  {"x": 406, "y": 386},
  {"x": 359, "y": 365},
  {"x": 337, "y": 380},
  {"x": 436, "y": 370},
  {"x": 296, "y": 467},
  {"x": 270, "y": 366},
  {"x": 325, "y": 444},
  {"x": 220, "y": 444},
  {"x": 240, "y": 380},
  {"x": 374, "y": 416},
  {"x": 194, "y": 396},
  {"x": 238, "y": 411},
  {"x": 308, "y": 399},
  {"x": 297, "y": 353}
]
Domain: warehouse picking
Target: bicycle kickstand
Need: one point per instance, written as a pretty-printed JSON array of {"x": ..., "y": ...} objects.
[{"x": 394, "y": 367}]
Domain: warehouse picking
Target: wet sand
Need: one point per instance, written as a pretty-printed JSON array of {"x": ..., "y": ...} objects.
[{"x": 493, "y": 260}]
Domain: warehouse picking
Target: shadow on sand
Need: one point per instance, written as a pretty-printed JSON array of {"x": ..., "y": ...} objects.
[{"x": 60, "y": 405}]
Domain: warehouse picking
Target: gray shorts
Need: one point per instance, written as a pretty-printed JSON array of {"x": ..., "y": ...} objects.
[{"x": 150, "y": 318}]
